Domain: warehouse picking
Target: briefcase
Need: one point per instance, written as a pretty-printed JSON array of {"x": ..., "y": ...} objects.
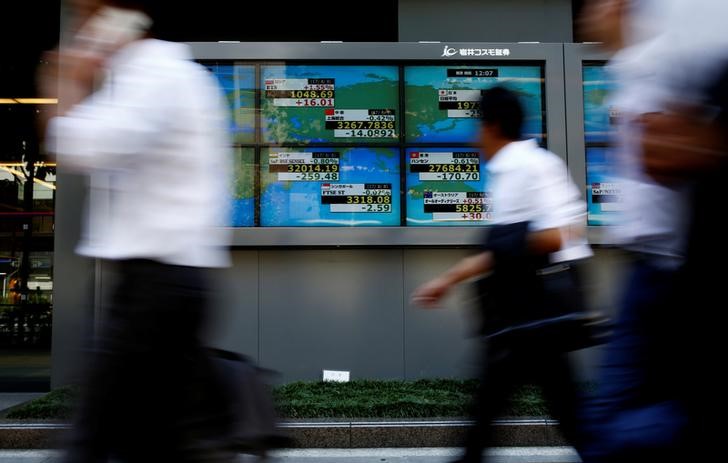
[
  {"x": 255, "y": 423},
  {"x": 531, "y": 305}
]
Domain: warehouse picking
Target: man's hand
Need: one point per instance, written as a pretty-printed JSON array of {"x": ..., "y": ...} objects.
[
  {"x": 68, "y": 75},
  {"x": 431, "y": 293},
  {"x": 679, "y": 145},
  {"x": 603, "y": 21}
]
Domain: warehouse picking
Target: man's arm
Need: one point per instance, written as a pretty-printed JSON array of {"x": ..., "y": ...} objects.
[
  {"x": 688, "y": 140},
  {"x": 110, "y": 128},
  {"x": 544, "y": 242},
  {"x": 432, "y": 292},
  {"x": 541, "y": 242},
  {"x": 68, "y": 76},
  {"x": 680, "y": 145}
]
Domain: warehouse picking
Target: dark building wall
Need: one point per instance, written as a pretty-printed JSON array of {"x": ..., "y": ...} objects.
[{"x": 485, "y": 20}]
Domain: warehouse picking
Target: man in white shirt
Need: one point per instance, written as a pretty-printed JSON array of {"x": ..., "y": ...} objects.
[
  {"x": 152, "y": 139},
  {"x": 532, "y": 191}
]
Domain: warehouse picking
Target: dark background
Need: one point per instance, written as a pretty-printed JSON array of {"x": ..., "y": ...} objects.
[{"x": 31, "y": 26}]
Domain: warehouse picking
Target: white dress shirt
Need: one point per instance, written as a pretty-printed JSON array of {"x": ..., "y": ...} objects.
[
  {"x": 529, "y": 183},
  {"x": 153, "y": 140}
]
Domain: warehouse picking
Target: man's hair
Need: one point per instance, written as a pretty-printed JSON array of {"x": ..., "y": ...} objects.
[
  {"x": 500, "y": 106},
  {"x": 150, "y": 7}
]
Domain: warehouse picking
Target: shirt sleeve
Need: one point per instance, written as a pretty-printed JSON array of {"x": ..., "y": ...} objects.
[
  {"x": 112, "y": 127},
  {"x": 557, "y": 202}
]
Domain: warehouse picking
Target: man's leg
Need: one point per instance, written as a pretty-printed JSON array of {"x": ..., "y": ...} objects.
[
  {"x": 497, "y": 382},
  {"x": 107, "y": 377},
  {"x": 177, "y": 396},
  {"x": 626, "y": 416},
  {"x": 556, "y": 377}
]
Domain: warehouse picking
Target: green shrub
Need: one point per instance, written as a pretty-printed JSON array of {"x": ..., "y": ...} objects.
[{"x": 357, "y": 399}]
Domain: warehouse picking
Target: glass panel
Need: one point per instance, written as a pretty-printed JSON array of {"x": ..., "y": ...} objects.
[
  {"x": 446, "y": 187},
  {"x": 604, "y": 194},
  {"x": 330, "y": 104},
  {"x": 243, "y": 203},
  {"x": 442, "y": 102},
  {"x": 27, "y": 197},
  {"x": 329, "y": 187},
  {"x": 238, "y": 84}
]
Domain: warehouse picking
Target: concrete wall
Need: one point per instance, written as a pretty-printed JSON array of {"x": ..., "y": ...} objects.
[
  {"x": 302, "y": 311},
  {"x": 485, "y": 20}
]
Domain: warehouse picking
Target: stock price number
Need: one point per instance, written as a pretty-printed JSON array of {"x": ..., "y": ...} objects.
[{"x": 363, "y": 199}]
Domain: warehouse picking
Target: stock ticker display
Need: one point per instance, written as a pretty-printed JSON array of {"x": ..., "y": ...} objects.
[
  {"x": 443, "y": 102},
  {"x": 604, "y": 190},
  {"x": 329, "y": 187},
  {"x": 358, "y": 145}
]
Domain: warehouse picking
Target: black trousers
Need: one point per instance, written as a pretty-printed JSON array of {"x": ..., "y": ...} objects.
[
  {"x": 504, "y": 370},
  {"x": 150, "y": 392},
  {"x": 508, "y": 364}
]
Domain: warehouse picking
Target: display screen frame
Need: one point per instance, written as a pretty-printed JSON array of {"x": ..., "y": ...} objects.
[{"x": 548, "y": 56}]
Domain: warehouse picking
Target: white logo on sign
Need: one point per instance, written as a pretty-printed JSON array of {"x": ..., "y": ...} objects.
[{"x": 449, "y": 51}]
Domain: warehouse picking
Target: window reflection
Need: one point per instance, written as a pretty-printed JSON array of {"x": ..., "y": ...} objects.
[{"x": 27, "y": 198}]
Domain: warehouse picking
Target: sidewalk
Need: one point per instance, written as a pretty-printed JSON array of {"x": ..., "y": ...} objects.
[
  {"x": 409, "y": 455},
  {"x": 340, "y": 434}
]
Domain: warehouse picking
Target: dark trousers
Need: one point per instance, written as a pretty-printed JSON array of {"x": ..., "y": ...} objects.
[
  {"x": 638, "y": 412},
  {"x": 510, "y": 363},
  {"x": 150, "y": 393},
  {"x": 504, "y": 371}
]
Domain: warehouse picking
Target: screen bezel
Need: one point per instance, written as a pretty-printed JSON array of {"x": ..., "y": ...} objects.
[{"x": 549, "y": 56}]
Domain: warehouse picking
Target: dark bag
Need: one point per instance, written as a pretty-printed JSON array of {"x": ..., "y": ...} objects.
[
  {"x": 255, "y": 423},
  {"x": 557, "y": 329},
  {"x": 528, "y": 304}
]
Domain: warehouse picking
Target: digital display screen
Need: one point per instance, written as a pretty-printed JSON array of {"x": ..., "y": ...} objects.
[
  {"x": 330, "y": 104},
  {"x": 599, "y": 116},
  {"x": 303, "y": 186},
  {"x": 446, "y": 187},
  {"x": 320, "y": 145},
  {"x": 243, "y": 188},
  {"x": 238, "y": 84},
  {"x": 442, "y": 103},
  {"x": 604, "y": 190}
]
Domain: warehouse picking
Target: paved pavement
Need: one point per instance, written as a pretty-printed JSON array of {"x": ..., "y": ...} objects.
[{"x": 418, "y": 455}]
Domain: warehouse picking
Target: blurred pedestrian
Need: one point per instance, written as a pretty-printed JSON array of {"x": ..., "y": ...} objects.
[
  {"x": 533, "y": 250},
  {"x": 148, "y": 125},
  {"x": 690, "y": 144},
  {"x": 639, "y": 412}
]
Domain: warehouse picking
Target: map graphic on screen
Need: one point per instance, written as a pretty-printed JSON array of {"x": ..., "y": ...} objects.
[
  {"x": 598, "y": 115},
  {"x": 238, "y": 84},
  {"x": 330, "y": 104},
  {"x": 243, "y": 194},
  {"x": 442, "y": 103},
  {"x": 303, "y": 186},
  {"x": 604, "y": 190},
  {"x": 446, "y": 187}
]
